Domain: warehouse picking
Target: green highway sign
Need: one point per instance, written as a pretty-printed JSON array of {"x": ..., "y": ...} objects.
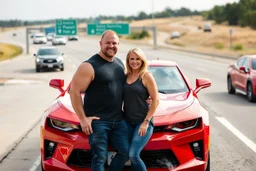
[
  {"x": 66, "y": 27},
  {"x": 98, "y": 29}
]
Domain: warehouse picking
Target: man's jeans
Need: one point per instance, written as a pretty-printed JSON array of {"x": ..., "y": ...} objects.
[
  {"x": 109, "y": 131},
  {"x": 137, "y": 143}
]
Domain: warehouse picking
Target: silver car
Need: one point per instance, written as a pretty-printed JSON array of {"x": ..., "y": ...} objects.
[
  {"x": 59, "y": 40},
  {"x": 39, "y": 38},
  {"x": 49, "y": 57}
]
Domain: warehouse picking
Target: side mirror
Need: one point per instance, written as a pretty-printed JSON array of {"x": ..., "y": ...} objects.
[
  {"x": 34, "y": 54},
  {"x": 57, "y": 83},
  {"x": 202, "y": 83},
  {"x": 242, "y": 68}
]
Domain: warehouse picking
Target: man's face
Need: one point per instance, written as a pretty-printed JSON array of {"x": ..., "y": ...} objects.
[{"x": 109, "y": 45}]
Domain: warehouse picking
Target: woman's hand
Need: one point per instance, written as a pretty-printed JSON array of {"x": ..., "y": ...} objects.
[{"x": 143, "y": 128}]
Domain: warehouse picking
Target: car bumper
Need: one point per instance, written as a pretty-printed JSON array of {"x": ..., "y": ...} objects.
[
  {"x": 39, "y": 42},
  {"x": 50, "y": 65},
  {"x": 59, "y": 43},
  {"x": 177, "y": 151}
]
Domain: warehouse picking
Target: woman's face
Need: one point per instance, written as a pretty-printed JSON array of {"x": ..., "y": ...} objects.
[{"x": 134, "y": 61}]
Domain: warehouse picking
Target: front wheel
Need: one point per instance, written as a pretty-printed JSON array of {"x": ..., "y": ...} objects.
[
  {"x": 208, "y": 163},
  {"x": 42, "y": 168}
]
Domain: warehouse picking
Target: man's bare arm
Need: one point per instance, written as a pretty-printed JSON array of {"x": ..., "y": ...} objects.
[{"x": 80, "y": 82}]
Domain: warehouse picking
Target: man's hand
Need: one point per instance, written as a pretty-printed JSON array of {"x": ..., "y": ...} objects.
[
  {"x": 149, "y": 101},
  {"x": 86, "y": 124}
]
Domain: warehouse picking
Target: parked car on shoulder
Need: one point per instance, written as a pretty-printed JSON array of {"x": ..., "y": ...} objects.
[
  {"x": 49, "y": 57},
  {"x": 241, "y": 77},
  {"x": 175, "y": 35},
  {"x": 180, "y": 141},
  {"x": 59, "y": 40},
  {"x": 39, "y": 38},
  {"x": 207, "y": 27}
]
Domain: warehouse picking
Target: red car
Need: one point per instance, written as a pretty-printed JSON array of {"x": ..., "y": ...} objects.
[
  {"x": 242, "y": 77},
  {"x": 180, "y": 141}
]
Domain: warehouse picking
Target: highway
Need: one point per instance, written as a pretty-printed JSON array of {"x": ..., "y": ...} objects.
[{"x": 232, "y": 117}]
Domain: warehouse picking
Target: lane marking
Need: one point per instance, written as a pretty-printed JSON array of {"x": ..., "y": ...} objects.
[
  {"x": 36, "y": 164},
  {"x": 237, "y": 133}
]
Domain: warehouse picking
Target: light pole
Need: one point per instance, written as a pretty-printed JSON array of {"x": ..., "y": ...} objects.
[
  {"x": 153, "y": 25},
  {"x": 153, "y": 14}
]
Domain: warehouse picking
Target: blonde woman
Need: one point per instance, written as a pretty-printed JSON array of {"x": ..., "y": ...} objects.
[{"x": 139, "y": 85}]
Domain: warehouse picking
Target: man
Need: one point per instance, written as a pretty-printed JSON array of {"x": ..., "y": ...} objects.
[{"x": 101, "y": 78}]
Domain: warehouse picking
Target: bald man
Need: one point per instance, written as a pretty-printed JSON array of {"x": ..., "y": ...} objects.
[{"x": 101, "y": 80}]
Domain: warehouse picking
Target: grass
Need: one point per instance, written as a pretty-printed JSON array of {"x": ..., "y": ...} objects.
[
  {"x": 243, "y": 38},
  {"x": 8, "y": 51}
]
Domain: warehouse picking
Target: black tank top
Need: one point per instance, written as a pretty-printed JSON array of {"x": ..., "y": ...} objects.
[
  {"x": 104, "y": 96},
  {"x": 135, "y": 105}
]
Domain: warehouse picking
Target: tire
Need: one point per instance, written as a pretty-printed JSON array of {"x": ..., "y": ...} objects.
[
  {"x": 42, "y": 169},
  {"x": 62, "y": 69},
  {"x": 208, "y": 163},
  {"x": 231, "y": 89},
  {"x": 37, "y": 69},
  {"x": 249, "y": 93}
]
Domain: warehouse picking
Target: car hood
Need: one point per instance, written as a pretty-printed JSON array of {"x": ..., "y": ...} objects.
[
  {"x": 169, "y": 105},
  {"x": 48, "y": 56}
]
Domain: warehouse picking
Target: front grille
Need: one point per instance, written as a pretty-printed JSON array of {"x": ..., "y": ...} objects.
[
  {"x": 159, "y": 159},
  {"x": 48, "y": 61},
  {"x": 152, "y": 159},
  {"x": 80, "y": 158}
]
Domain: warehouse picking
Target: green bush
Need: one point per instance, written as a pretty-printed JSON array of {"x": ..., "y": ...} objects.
[
  {"x": 238, "y": 47},
  {"x": 138, "y": 35},
  {"x": 219, "y": 45}
]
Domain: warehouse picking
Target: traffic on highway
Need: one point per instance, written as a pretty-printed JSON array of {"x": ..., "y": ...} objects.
[{"x": 200, "y": 125}]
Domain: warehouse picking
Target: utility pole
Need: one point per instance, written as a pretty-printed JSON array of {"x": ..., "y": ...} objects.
[{"x": 153, "y": 25}]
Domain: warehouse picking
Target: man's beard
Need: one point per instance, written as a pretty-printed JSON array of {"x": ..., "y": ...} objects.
[{"x": 109, "y": 55}]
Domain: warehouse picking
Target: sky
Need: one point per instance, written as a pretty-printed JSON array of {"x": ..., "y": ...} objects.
[{"x": 56, "y": 9}]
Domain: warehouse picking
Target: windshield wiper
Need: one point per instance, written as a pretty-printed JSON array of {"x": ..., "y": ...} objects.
[{"x": 163, "y": 92}]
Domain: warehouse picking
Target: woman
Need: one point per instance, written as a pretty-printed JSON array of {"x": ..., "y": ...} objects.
[{"x": 139, "y": 85}]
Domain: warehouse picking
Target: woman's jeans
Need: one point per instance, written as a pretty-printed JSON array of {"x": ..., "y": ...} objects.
[
  {"x": 116, "y": 133},
  {"x": 137, "y": 143}
]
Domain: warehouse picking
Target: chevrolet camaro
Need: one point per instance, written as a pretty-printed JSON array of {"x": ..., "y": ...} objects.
[{"x": 181, "y": 137}]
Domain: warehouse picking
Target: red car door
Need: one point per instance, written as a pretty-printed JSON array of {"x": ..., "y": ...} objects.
[
  {"x": 236, "y": 74},
  {"x": 243, "y": 75}
]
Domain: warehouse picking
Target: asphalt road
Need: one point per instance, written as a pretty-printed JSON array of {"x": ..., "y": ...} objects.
[{"x": 232, "y": 117}]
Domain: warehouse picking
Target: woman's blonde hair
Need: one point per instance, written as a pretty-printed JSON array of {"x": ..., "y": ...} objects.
[{"x": 144, "y": 66}]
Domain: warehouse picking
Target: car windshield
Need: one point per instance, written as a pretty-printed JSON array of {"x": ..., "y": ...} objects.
[
  {"x": 39, "y": 36},
  {"x": 48, "y": 52},
  {"x": 168, "y": 79},
  {"x": 254, "y": 64}
]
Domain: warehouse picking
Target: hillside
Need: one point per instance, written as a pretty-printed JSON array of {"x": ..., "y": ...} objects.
[{"x": 193, "y": 37}]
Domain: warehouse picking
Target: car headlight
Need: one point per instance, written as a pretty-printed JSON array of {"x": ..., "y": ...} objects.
[
  {"x": 60, "y": 59},
  {"x": 38, "y": 59},
  {"x": 184, "y": 126},
  {"x": 63, "y": 126}
]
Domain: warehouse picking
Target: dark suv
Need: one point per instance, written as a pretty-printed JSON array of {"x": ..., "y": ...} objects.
[{"x": 49, "y": 57}]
